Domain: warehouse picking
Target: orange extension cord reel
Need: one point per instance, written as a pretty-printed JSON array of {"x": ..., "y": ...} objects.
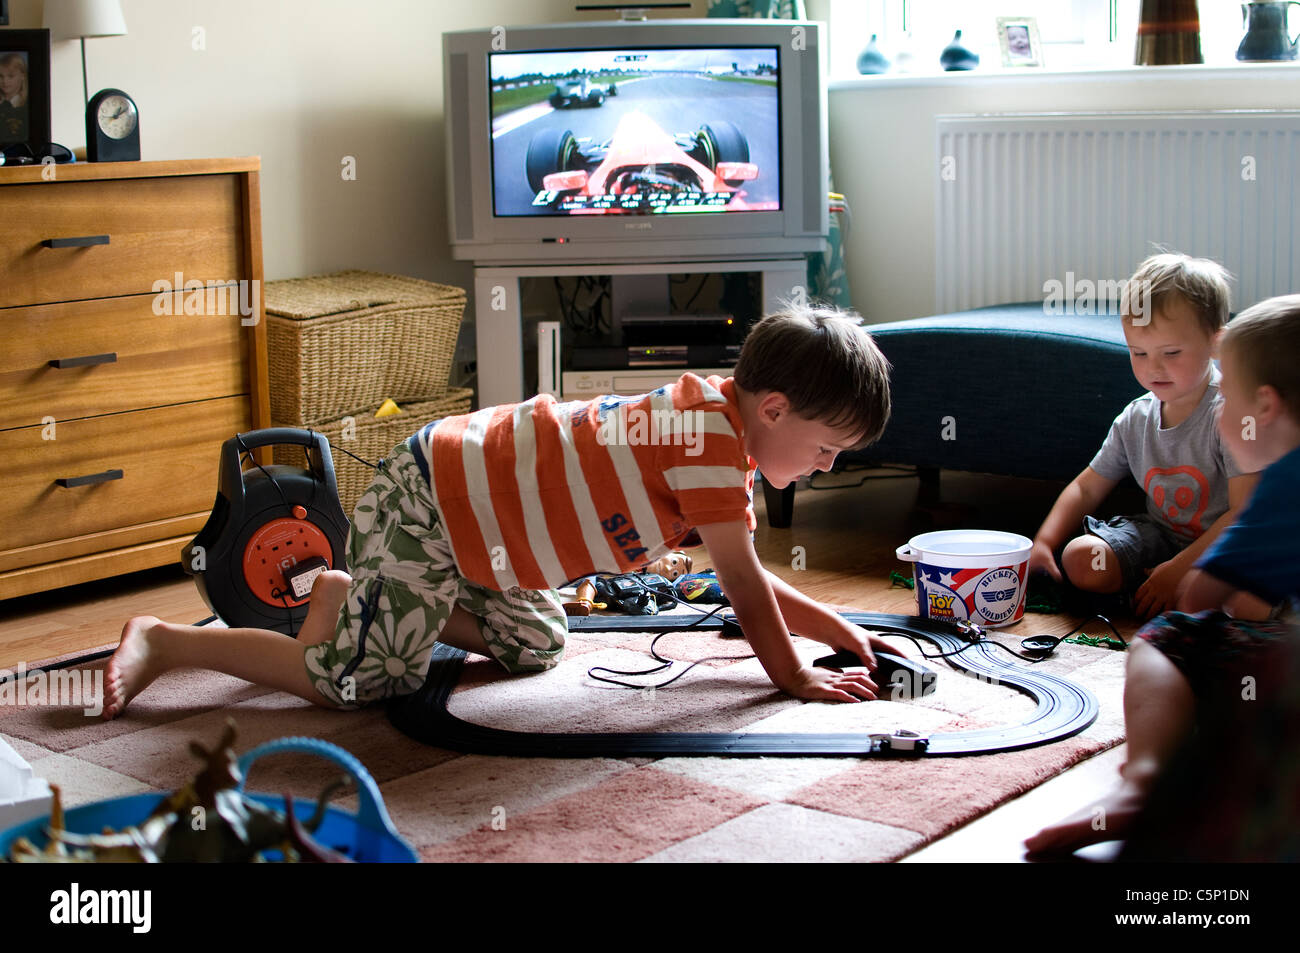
[{"x": 272, "y": 531}]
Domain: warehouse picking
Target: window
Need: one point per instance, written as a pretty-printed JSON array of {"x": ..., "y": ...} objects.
[{"x": 1076, "y": 34}]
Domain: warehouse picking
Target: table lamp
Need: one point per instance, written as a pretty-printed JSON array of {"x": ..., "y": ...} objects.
[{"x": 78, "y": 19}]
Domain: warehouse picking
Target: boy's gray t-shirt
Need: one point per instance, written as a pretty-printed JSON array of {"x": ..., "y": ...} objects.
[{"x": 1183, "y": 470}]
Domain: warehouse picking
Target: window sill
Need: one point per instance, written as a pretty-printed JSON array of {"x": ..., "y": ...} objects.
[{"x": 997, "y": 75}]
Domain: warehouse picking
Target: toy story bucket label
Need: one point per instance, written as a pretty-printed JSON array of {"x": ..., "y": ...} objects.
[{"x": 978, "y": 575}]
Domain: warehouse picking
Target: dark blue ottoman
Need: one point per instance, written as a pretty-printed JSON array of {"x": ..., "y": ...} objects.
[{"x": 1005, "y": 389}]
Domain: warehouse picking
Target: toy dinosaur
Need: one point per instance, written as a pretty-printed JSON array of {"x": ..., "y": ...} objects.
[{"x": 207, "y": 820}]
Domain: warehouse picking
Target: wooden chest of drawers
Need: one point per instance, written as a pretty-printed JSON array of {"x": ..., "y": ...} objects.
[{"x": 132, "y": 343}]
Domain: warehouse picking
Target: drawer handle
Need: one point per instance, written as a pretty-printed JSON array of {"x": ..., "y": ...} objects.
[
  {"x": 89, "y": 359},
  {"x": 80, "y": 241},
  {"x": 90, "y": 478}
]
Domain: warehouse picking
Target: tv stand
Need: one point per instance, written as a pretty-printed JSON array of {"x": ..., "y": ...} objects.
[{"x": 498, "y": 313}]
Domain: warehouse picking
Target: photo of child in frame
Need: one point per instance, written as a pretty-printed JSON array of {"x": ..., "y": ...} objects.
[
  {"x": 15, "y": 124},
  {"x": 1018, "y": 38},
  {"x": 1018, "y": 42}
]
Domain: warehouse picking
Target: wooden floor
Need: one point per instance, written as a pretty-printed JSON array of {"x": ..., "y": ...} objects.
[{"x": 840, "y": 550}]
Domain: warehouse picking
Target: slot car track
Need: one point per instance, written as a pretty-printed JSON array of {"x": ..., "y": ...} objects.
[{"x": 1064, "y": 708}]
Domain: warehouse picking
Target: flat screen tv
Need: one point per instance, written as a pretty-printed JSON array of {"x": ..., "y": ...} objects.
[{"x": 667, "y": 140}]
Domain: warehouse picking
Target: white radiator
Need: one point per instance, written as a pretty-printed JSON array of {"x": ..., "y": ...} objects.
[{"x": 1028, "y": 199}]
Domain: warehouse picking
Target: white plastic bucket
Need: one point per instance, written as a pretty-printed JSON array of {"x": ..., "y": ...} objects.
[{"x": 974, "y": 574}]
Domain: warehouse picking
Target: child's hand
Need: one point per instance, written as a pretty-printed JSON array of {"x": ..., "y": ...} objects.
[
  {"x": 1159, "y": 593},
  {"x": 827, "y": 684},
  {"x": 1042, "y": 560},
  {"x": 857, "y": 640}
]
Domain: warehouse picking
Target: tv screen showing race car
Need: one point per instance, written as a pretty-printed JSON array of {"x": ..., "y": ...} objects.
[{"x": 635, "y": 131}]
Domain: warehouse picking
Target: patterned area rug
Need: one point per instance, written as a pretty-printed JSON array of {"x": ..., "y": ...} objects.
[{"x": 456, "y": 807}]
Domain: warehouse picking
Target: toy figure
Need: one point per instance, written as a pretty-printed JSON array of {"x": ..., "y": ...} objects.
[
  {"x": 671, "y": 565},
  {"x": 209, "y": 819}
]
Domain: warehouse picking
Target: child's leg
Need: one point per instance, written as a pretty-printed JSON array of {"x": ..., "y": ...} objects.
[
  {"x": 465, "y": 632},
  {"x": 1111, "y": 555},
  {"x": 1091, "y": 565},
  {"x": 150, "y": 647},
  {"x": 1158, "y": 713},
  {"x": 523, "y": 629}
]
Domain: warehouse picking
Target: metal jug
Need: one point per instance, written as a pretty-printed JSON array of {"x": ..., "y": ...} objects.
[{"x": 1267, "y": 37}]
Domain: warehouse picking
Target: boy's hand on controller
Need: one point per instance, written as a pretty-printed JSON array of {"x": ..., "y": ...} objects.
[
  {"x": 1160, "y": 592},
  {"x": 1042, "y": 560},
  {"x": 856, "y": 640},
  {"x": 828, "y": 684}
]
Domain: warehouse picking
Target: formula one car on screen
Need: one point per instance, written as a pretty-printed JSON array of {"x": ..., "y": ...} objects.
[
  {"x": 580, "y": 92},
  {"x": 640, "y": 167}
]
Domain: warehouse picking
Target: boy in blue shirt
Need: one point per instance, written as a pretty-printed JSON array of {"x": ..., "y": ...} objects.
[{"x": 1200, "y": 669}]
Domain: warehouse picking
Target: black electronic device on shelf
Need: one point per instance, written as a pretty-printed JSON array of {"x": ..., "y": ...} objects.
[{"x": 681, "y": 355}]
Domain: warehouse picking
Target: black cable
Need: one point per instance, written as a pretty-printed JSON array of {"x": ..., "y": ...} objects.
[
  {"x": 704, "y": 280},
  {"x": 334, "y": 446},
  {"x": 278, "y": 593},
  {"x": 249, "y": 454},
  {"x": 1045, "y": 645},
  {"x": 1039, "y": 654},
  {"x": 664, "y": 662},
  {"x": 902, "y": 473}
]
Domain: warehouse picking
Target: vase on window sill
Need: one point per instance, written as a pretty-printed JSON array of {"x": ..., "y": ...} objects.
[
  {"x": 1169, "y": 33},
  {"x": 955, "y": 56},
  {"x": 871, "y": 61}
]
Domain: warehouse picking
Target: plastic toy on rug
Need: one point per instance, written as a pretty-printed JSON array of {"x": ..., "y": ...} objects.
[
  {"x": 632, "y": 593},
  {"x": 585, "y": 600},
  {"x": 212, "y": 820},
  {"x": 700, "y": 587},
  {"x": 671, "y": 566}
]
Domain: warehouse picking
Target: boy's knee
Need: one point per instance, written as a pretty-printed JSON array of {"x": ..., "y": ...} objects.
[
  {"x": 526, "y": 659},
  {"x": 1090, "y": 564},
  {"x": 335, "y": 704}
]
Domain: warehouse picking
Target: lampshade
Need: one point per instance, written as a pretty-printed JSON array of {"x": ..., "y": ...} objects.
[{"x": 76, "y": 19}]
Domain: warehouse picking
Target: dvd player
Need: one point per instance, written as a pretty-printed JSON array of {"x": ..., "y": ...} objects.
[
  {"x": 584, "y": 385},
  {"x": 656, "y": 355}
]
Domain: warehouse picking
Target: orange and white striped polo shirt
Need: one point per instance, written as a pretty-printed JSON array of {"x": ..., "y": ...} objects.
[{"x": 537, "y": 494}]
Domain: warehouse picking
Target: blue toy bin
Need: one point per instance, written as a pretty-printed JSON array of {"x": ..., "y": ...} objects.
[{"x": 366, "y": 837}]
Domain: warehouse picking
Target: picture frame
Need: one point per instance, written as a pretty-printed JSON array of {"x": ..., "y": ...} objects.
[
  {"x": 1019, "y": 42},
  {"x": 4, "y": 12},
  {"x": 24, "y": 87}
]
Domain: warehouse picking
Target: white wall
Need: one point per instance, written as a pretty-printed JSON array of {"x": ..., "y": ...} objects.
[{"x": 883, "y": 156}]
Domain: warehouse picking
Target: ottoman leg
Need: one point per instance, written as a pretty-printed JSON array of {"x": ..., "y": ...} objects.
[
  {"x": 780, "y": 505},
  {"x": 928, "y": 492}
]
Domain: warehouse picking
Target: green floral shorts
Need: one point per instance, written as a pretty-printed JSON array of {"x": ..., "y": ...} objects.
[{"x": 404, "y": 587}]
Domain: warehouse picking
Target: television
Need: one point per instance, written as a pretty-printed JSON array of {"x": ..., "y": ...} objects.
[{"x": 668, "y": 140}]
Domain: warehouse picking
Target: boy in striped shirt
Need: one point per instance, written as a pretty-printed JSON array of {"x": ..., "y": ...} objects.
[{"x": 472, "y": 523}]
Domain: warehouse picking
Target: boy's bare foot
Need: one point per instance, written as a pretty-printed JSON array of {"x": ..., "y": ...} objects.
[
  {"x": 328, "y": 594},
  {"x": 133, "y": 666},
  {"x": 1109, "y": 819}
]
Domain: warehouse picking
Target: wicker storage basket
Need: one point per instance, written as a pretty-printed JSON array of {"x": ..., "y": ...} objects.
[
  {"x": 336, "y": 343},
  {"x": 372, "y": 438}
]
